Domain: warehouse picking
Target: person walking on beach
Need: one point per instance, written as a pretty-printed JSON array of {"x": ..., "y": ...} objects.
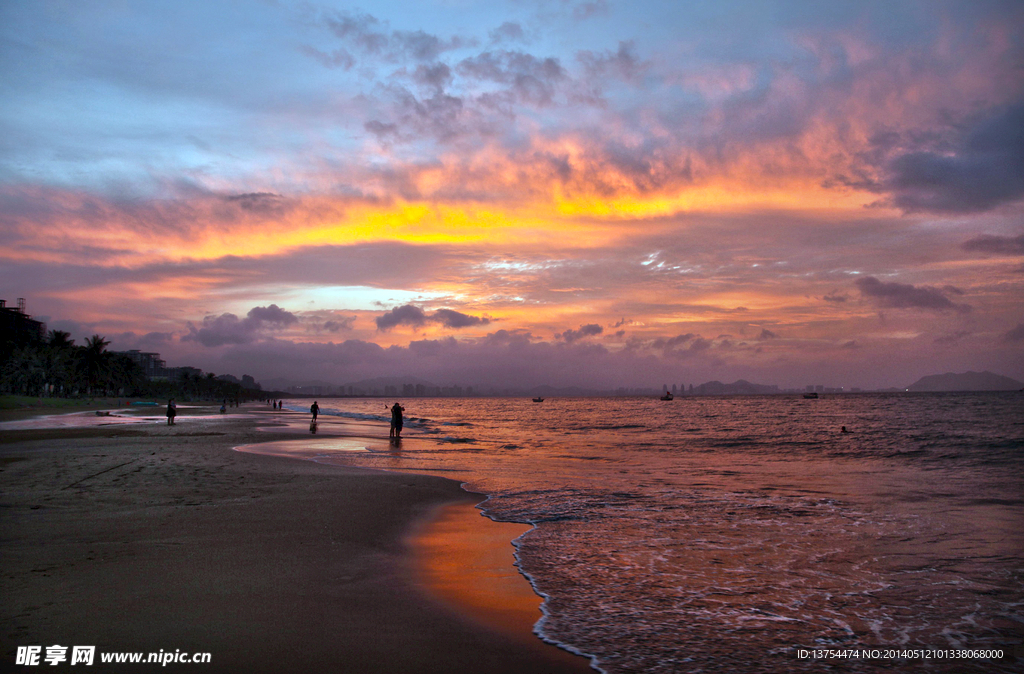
[
  {"x": 396, "y": 421},
  {"x": 315, "y": 409},
  {"x": 172, "y": 411}
]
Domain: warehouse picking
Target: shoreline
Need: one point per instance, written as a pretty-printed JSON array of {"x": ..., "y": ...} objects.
[
  {"x": 475, "y": 570},
  {"x": 149, "y": 537}
]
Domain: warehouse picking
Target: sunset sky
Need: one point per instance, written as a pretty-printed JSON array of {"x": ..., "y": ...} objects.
[{"x": 591, "y": 193}]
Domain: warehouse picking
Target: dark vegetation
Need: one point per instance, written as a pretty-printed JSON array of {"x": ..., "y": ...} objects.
[{"x": 56, "y": 367}]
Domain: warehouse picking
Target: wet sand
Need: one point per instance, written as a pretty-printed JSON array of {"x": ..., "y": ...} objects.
[
  {"x": 470, "y": 565},
  {"x": 151, "y": 537}
]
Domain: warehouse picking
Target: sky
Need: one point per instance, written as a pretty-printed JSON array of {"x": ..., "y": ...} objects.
[{"x": 514, "y": 193}]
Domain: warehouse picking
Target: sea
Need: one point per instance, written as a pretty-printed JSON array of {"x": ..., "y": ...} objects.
[{"x": 741, "y": 533}]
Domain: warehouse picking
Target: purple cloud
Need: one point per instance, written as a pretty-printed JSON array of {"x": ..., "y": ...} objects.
[
  {"x": 529, "y": 79},
  {"x": 589, "y": 330},
  {"x": 404, "y": 315},
  {"x": 672, "y": 342},
  {"x": 457, "y": 319},
  {"x": 1015, "y": 335},
  {"x": 229, "y": 329},
  {"x": 952, "y": 339},
  {"x": 508, "y": 32},
  {"x": 1000, "y": 245},
  {"x": 371, "y": 35},
  {"x": 984, "y": 171},
  {"x": 339, "y": 324},
  {"x": 906, "y": 296},
  {"x": 416, "y": 317},
  {"x": 519, "y": 338}
]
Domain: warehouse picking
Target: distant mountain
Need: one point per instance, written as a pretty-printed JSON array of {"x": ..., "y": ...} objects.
[
  {"x": 738, "y": 387},
  {"x": 966, "y": 381}
]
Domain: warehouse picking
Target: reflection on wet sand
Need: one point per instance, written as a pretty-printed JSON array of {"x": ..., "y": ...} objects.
[{"x": 466, "y": 561}]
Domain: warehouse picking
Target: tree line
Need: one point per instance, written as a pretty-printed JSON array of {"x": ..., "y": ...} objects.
[{"x": 57, "y": 367}]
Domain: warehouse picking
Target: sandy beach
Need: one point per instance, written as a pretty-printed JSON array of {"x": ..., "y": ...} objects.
[{"x": 149, "y": 538}]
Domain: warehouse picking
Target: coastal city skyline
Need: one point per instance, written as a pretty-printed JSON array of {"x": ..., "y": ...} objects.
[{"x": 580, "y": 194}]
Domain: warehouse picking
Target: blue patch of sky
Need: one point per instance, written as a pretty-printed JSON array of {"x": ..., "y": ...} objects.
[
  {"x": 94, "y": 92},
  {"x": 346, "y": 298}
]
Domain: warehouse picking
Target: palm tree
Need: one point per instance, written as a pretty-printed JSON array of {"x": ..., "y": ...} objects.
[
  {"x": 95, "y": 362},
  {"x": 59, "y": 339},
  {"x": 126, "y": 376},
  {"x": 59, "y": 359},
  {"x": 24, "y": 372}
]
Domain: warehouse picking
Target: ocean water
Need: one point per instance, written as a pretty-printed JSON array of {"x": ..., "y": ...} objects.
[{"x": 727, "y": 533}]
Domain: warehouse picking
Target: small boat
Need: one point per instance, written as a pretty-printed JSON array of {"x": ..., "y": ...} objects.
[
  {"x": 667, "y": 396},
  {"x": 811, "y": 396},
  {"x": 538, "y": 399}
]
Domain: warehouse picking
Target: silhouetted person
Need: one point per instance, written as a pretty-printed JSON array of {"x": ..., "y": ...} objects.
[
  {"x": 396, "y": 421},
  {"x": 315, "y": 409},
  {"x": 172, "y": 411},
  {"x": 843, "y": 430}
]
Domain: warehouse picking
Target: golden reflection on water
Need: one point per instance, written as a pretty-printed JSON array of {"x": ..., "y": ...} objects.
[{"x": 467, "y": 561}]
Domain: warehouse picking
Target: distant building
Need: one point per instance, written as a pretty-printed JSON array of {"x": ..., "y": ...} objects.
[
  {"x": 151, "y": 364},
  {"x": 18, "y": 327},
  {"x": 179, "y": 373}
]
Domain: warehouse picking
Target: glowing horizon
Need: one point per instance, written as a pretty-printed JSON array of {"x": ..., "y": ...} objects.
[{"x": 565, "y": 193}]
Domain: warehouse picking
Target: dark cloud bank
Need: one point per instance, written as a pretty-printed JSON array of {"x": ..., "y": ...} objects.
[
  {"x": 985, "y": 169},
  {"x": 906, "y": 296},
  {"x": 415, "y": 317},
  {"x": 999, "y": 245}
]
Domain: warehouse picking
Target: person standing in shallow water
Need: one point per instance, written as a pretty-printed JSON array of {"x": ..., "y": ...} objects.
[
  {"x": 396, "y": 421},
  {"x": 172, "y": 411},
  {"x": 315, "y": 409}
]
